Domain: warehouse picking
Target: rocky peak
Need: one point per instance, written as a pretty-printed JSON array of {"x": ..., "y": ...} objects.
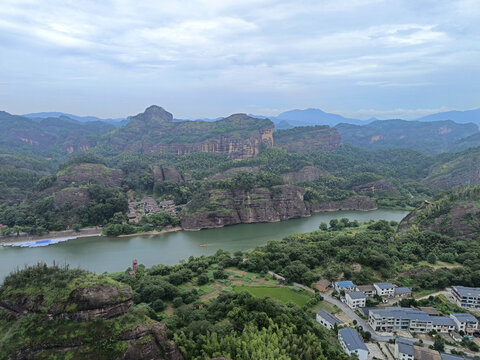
[{"x": 155, "y": 113}]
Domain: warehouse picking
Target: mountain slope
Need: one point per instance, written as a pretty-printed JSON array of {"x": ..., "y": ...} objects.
[
  {"x": 455, "y": 213},
  {"x": 429, "y": 137},
  {"x": 310, "y": 117},
  {"x": 155, "y": 132},
  {"x": 457, "y": 116}
]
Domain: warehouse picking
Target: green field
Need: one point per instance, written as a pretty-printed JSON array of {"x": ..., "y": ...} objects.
[{"x": 282, "y": 294}]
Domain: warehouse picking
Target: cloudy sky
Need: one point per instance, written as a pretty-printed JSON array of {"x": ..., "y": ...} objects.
[{"x": 208, "y": 58}]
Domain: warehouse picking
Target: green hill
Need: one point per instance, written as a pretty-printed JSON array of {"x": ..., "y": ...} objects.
[{"x": 57, "y": 313}]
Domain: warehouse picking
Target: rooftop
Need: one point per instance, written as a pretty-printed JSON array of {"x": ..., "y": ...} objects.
[
  {"x": 366, "y": 288},
  {"x": 346, "y": 283},
  {"x": 401, "y": 313},
  {"x": 405, "y": 346},
  {"x": 466, "y": 291},
  {"x": 352, "y": 339},
  {"x": 329, "y": 317},
  {"x": 402, "y": 290},
  {"x": 442, "y": 321},
  {"x": 464, "y": 317},
  {"x": 356, "y": 295},
  {"x": 384, "y": 285}
]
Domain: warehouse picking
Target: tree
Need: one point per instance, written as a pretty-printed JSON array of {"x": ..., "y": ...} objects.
[
  {"x": 323, "y": 226},
  {"x": 432, "y": 258},
  {"x": 202, "y": 279},
  {"x": 439, "y": 344}
]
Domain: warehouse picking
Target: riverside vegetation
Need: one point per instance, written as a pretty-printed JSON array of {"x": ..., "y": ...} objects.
[{"x": 220, "y": 305}]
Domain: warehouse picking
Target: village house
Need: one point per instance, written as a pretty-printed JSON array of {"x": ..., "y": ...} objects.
[
  {"x": 404, "y": 349},
  {"x": 352, "y": 344},
  {"x": 322, "y": 285},
  {"x": 385, "y": 289},
  {"x": 356, "y": 299},
  {"x": 396, "y": 318},
  {"x": 465, "y": 322},
  {"x": 443, "y": 324},
  {"x": 466, "y": 297},
  {"x": 402, "y": 291},
  {"x": 345, "y": 285},
  {"x": 368, "y": 290},
  {"x": 327, "y": 319}
]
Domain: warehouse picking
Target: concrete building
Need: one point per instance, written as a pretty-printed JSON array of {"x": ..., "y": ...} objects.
[
  {"x": 346, "y": 286},
  {"x": 368, "y": 290},
  {"x": 443, "y": 324},
  {"x": 356, "y": 299},
  {"x": 466, "y": 297},
  {"x": 396, "y": 318},
  {"x": 402, "y": 291},
  {"x": 385, "y": 289},
  {"x": 404, "y": 349},
  {"x": 465, "y": 322},
  {"x": 352, "y": 344},
  {"x": 327, "y": 319}
]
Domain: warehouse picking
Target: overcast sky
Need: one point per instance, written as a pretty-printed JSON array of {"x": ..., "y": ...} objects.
[{"x": 209, "y": 58}]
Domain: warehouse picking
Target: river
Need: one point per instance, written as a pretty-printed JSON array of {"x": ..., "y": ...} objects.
[{"x": 100, "y": 254}]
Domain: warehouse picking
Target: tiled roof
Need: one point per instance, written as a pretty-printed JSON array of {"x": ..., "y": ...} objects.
[
  {"x": 352, "y": 339},
  {"x": 467, "y": 291},
  {"x": 405, "y": 346},
  {"x": 329, "y": 317},
  {"x": 346, "y": 283},
  {"x": 356, "y": 294},
  {"x": 463, "y": 317},
  {"x": 384, "y": 285}
]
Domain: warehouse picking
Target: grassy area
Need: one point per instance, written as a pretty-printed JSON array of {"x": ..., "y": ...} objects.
[
  {"x": 283, "y": 294},
  {"x": 323, "y": 305},
  {"x": 423, "y": 292}
]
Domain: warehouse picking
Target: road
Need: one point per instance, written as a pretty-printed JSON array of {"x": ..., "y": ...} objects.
[{"x": 366, "y": 327}]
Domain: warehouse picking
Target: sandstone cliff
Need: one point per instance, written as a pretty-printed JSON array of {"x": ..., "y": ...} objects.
[
  {"x": 353, "y": 203},
  {"x": 305, "y": 139},
  {"x": 257, "y": 205},
  {"x": 305, "y": 174},
  {"x": 154, "y": 132},
  {"x": 52, "y": 312},
  {"x": 76, "y": 175}
]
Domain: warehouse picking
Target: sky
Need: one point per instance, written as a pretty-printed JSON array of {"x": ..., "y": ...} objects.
[{"x": 210, "y": 58}]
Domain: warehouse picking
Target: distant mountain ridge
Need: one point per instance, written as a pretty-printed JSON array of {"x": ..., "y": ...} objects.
[{"x": 462, "y": 117}]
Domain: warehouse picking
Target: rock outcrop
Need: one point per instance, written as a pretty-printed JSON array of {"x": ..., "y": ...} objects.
[
  {"x": 353, "y": 203},
  {"x": 257, "y": 205},
  {"x": 87, "y": 315},
  {"x": 234, "y": 171},
  {"x": 76, "y": 175},
  {"x": 164, "y": 173},
  {"x": 376, "y": 186},
  {"x": 305, "y": 139},
  {"x": 154, "y": 132},
  {"x": 305, "y": 174}
]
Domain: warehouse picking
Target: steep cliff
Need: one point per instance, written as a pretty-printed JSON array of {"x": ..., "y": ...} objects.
[
  {"x": 455, "y": 213},
  {"x": 353, "y": 203},
  {"x": 51, "y": 312},
  {"x": 221, "y": 208},
  {"x": 305, "y": 139},
  {"x": 154, "y": 132}
]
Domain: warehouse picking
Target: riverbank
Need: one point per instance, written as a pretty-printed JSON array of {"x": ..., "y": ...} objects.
[
  {"x": 165, "y": 230},
  {"x": 86, "y": 232}
]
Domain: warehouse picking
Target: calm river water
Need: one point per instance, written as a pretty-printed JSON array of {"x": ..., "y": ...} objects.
[{"x": 100, "y": 254}]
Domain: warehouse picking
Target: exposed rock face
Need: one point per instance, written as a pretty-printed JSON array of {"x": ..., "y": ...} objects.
[
  {"x": 307, "y": 173},
  {"x": 154, "y": 132},
  {"x": 461, "y": 221},
  {"x": 85, "y": 173},
  {"x": 161, "y": 174},
  {"x": 305, "y": 139},
  {"x": 353, "y": 203},
  {"x": 376, "y": 186},
  {"x": 465, "y": 170},
  {"x": 257, "y": 205},
  {"x": 101, "y": 309},
  {"x": 77, "y": 197},
  {"x": 232, "y": 172}
]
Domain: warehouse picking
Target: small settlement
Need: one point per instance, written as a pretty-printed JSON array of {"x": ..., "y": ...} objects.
[{"x": 399, "y": 324}]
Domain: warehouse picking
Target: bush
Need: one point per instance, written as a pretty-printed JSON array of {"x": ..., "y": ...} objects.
[
  {"x": 158, "y": 305},
  {"x": 202, "y": 279}
]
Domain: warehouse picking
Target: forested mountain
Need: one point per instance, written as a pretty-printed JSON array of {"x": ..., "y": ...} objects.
[{"x": 429, "y": 137}]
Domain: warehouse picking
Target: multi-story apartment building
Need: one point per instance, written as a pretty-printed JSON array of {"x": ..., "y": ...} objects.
[{"x": 466, "y": 297}]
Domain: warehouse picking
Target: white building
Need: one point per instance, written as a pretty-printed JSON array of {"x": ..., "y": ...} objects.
[
  {"x": 466, "y": 297},
  {"x": 404, "y": 349},
  {"x": 465, "y": 322},
  {"x": 352, "y": 344},
  {"x": 356, "y": 299},
  {"x": 327, "y": 319},
  {"x": 368, "y": 290},
  {"x": 397, "y": 318},
  {"x": 443, "y": 324},
  {"x": 385, "y": 289}
]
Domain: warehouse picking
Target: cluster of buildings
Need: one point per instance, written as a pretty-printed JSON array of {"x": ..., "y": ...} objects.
[
  {"x": 393, "y": 319},
  {"x": 356, "y": 296},
  {"x": 406, "y": 350}
]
